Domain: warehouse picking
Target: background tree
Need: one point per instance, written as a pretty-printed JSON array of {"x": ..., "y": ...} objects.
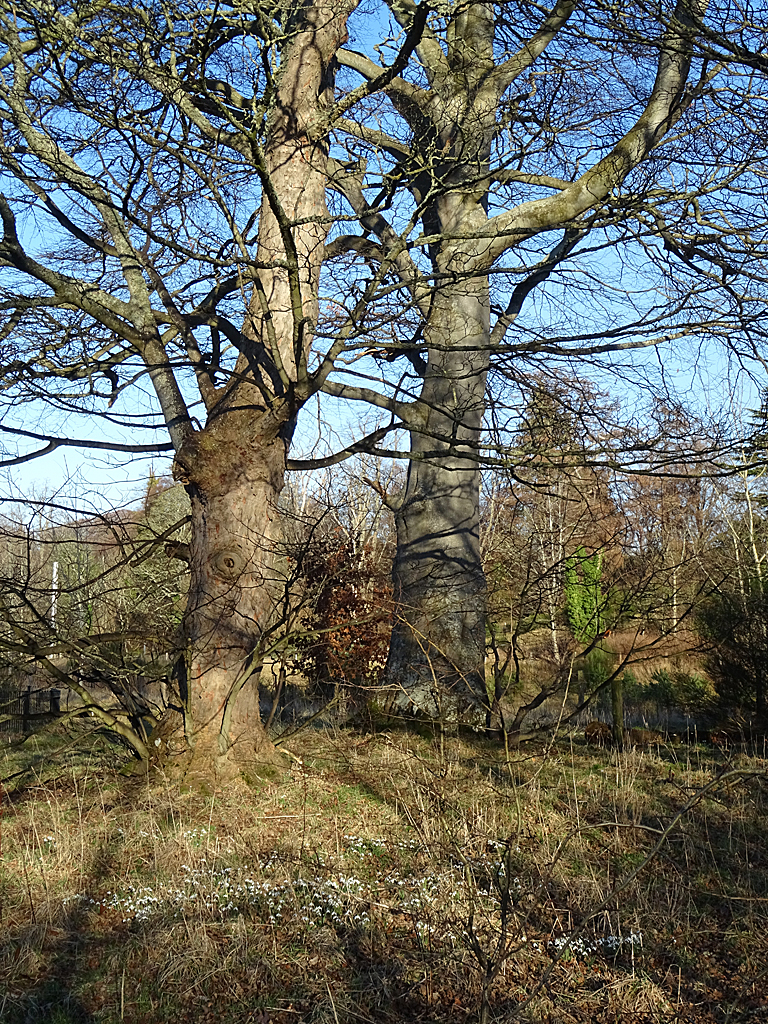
[
  {"x": 584, "y": 597},
  {"x": 671, "y": 513},
  {"x": 542, "y": 522},
  {"x": 91, "y": 604},
  {"x": 734, "y": 617},
  {"x": 513, "y": 226}
]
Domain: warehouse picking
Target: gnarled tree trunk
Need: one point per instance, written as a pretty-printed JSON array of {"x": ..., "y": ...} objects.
[
  {"x": 234, "y": 480},
  {"x": 234, "y": 467}
]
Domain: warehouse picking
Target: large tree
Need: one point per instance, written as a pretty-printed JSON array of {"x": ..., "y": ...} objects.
[
  {"x": 164, "y": 223},
  {"x": 555, "y": 185},
  {"x": 734, "y": 616}
]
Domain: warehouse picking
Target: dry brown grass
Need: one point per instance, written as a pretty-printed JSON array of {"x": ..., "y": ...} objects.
[{"x": 390, "y": 878}]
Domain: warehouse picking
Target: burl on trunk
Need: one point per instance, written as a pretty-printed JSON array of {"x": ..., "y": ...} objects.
[{"x": 234, "y": 479}]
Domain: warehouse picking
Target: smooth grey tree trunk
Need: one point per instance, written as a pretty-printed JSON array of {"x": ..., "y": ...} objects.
[
  {"x": 456, "y": 106},
  {"x": 437, "y": 654}
]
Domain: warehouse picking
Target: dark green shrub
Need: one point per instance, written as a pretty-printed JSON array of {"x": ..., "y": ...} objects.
[
  {"x": 598, "y": 666},
  {"x": 634, "y": 691},
  {"x": 684, "y": 691},
  {"x": 694, "y": 693},
  {"x": 661, "y": 688},
  {"x": 736, "y": 626}
]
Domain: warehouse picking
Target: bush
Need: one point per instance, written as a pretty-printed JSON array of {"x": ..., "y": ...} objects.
[
  {"x": 661, "y": 689},
  {"x": 598, "y": 666},
  {"x": 634, "y": 691},
  {"x": 695, "y": 693},
  {"x": 347, "y": 621},
  {"x": 737, "y": 627},
  {"x": 685, "y": 691}
]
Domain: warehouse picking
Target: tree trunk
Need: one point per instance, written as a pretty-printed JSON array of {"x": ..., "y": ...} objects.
[
  {"x": 761, "y": 711},
  {"x": 617, "y": 708},
  {"x": 463, "y": 107},
  {"x": 234, "y": 468},
  {"x": 437, "y": 654},
  {"x": 234, "y": 480},
  {"x": 437, "y": 657}
]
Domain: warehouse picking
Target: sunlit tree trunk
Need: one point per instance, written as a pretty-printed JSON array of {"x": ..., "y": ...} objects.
[
  {"x": 437, "y": 655},
  {"x": 438, "y": 642},
  {"x": 234, "y": 468},
  {"x": 234, "y": 484}
]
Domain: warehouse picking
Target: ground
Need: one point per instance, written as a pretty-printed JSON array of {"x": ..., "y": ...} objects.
[{"x": 389, "y": 877}]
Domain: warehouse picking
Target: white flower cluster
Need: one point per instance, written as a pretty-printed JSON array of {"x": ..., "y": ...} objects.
[
  {"x": 368, "y": 847},
  {"x": 140, "y": 834},
  {"x": 335, "y": 899},
  {"x": 610, "y": 945},
  {"x": 223, "y": 891},
  {"x": 154, "y": 833},
  {"x": 364, "y": 847},
  {"x": 196, "y": 833},
  {"x": 488, "y": 865},
  {"x": 269, "y": 861}
]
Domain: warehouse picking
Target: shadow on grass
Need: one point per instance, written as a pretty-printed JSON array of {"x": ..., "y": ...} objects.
[
  {"x": 46, "y": 959},
  {"x": 81, "y": 961}
]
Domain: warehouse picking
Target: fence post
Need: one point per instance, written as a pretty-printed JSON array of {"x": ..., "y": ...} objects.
[
  {"x": 26, "y": 709},
  {"x": 55, "y": 697}
]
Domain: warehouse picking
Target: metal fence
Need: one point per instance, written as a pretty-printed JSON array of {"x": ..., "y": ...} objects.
[{"x": 22, "y": 709}]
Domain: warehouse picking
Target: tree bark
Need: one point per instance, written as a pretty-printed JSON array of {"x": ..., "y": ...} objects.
[
  {"x": 617, "y": 710},
  {"x": 438, "y": 641},
  {"x": 234, "y": 468},
  {"x": 437, "y": 653},
  {"x": 437, "y": 657},
  {"x": 234, "y": 479}
]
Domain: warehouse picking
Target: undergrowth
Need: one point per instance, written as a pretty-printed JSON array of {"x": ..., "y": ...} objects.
[{"x": 390, "y": 878}]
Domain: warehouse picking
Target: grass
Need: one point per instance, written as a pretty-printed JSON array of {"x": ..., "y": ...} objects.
[{"x": 389, "y": 878}]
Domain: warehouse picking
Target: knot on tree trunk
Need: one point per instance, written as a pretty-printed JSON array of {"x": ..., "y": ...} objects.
[{"x": 228, "y": 564}]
